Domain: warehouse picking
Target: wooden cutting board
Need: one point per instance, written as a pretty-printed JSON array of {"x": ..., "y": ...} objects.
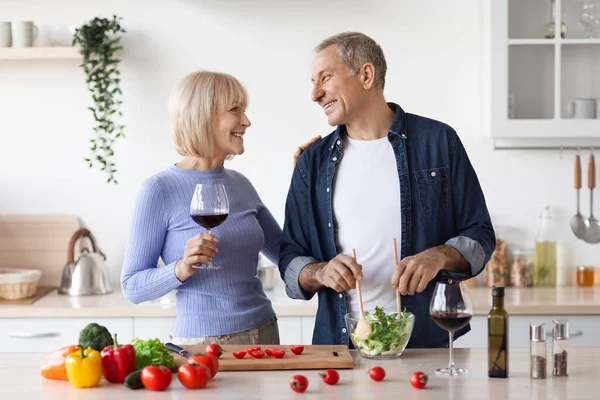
[{"x": 313, "y": 357}]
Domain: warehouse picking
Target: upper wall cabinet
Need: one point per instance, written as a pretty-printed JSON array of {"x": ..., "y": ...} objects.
[{"x": 543, "y": 70}]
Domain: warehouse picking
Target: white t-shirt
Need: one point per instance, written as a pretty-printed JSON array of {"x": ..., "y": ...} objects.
[{"x": 366, "y": 210}]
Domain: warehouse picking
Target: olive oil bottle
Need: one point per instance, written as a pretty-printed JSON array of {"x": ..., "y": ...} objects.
[
  {"x": 545, "y": 259},
  {"x": 498, "y": 336}
]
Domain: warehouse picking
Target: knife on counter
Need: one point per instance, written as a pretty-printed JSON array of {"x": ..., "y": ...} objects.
[{"x": 176, "y": 349}]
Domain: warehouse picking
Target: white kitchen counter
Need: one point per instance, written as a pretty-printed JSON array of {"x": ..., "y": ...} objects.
[
  {"x": 531, "y": 301},
  {"x": 21, "y": 379}
]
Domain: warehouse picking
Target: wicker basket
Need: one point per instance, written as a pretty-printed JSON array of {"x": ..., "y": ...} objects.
[{"x": 18, "y": 283}]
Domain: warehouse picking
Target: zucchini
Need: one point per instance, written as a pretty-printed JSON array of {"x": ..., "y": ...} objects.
[{"x": 133, "y": 381}]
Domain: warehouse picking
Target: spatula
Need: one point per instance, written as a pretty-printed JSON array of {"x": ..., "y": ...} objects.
[
  {"x": 362, "y": 326},
  {"x": 398, "y": 301}
]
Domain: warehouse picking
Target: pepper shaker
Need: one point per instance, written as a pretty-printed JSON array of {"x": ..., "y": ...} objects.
[
  {"x": 560, "y": 336},
  {"x": 537, "y": 351}
]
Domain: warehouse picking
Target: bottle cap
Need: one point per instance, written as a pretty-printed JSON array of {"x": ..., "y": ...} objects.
[
  {"x": 498, "y": 291},
  {"x": 537, "y": 333},
  {"x": 561, "y": 330}
]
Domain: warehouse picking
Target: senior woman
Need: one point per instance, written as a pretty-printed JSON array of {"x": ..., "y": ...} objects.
[{"x": 228, "y": 305}]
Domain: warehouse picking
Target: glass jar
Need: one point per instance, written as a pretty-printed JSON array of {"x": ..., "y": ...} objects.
[
  {"x": 521, "y": 269},
  {"x": 585, "y": 276},
  {"x": 560, "y": 351},
  {"x": 537, "y": 351},
  {"x": 497, "y": 273}
]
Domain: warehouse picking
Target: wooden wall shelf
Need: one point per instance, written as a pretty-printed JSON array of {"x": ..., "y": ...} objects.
[{"x": 40, "y": 53}]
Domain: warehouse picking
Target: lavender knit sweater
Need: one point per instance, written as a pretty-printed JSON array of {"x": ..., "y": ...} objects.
[{"x": 211, "y": 302}]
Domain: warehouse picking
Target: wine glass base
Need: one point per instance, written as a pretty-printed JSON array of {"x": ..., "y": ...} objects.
[
  {"x": 207, "y": 266},
  {"x": 451, "y": 372}
]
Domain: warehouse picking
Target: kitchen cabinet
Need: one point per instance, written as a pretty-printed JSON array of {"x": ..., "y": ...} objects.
[
  {"x": 43, "y": 335},
  {"x": 531, "y": 79},
  {"x": 584, "y": 330},
  {"x": 292, "y": 330}
]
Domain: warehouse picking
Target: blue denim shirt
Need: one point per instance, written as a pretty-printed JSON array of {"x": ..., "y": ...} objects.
[{"x": 441, "y": 203}]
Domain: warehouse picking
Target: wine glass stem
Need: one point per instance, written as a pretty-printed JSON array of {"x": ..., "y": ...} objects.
[{"x": 450, "y": 342}]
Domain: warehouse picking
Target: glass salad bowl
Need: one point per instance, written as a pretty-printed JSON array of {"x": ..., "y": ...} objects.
[{"x": 388, "y": 336}]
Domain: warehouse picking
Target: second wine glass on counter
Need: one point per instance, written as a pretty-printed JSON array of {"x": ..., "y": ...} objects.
[
  {"x": 209, "y": 208},
  {"x": 451, "y": 309}
]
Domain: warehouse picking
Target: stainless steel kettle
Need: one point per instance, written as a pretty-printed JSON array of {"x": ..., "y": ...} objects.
[{"x": 87, "y": 275}]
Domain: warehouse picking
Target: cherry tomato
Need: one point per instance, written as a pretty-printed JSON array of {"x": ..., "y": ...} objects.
[
  {"x": 269, "y": 352},
  {"x": 253, "y": 349},
  {"x": 239, "y": 354},
  {"x": 214, "y": 349},
  {"x": 193, "y": 376},
  {"x": 377, "y": 373},
  {"x": 299, "y": 383},
  {"x": 277, "y": 353},
  {"x": 257, "y": 354},
  {"x": 330, "y": 376},
  {"x": 297, "y": 349},
  {"x": 418, "y": 379},
  {"x": 210, "y": 361},
  {"x": 156, "y": 377}
]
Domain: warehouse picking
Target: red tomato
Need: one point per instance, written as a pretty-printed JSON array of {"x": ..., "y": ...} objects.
[
  {"x": 268, "y": 352},
  {"x": 299, "y": 383},
  {"x": 239, "y": 354},
  {"x": 193, "y": 376},
  {"x": 418, "y": 379},
  {"x": 156, "y": 377},
  {"x": 330, "y": 376},
  {"x": 257, "y": 354},
  {"x": 377, "y": 373},
  {"x": 278, "y": 353},
  {"x": 210, "y": 361},
  {"x": 253, "y": 349},
  {"x": 214, "y": 349},
  {"x": 297, "y": 349}
]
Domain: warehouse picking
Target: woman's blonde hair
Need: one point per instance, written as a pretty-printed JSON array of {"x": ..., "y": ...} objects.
[{"x": 193, "y": 106}]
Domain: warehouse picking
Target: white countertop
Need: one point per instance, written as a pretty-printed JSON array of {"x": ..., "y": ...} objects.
[
  {"x": 22, "y": 372},
  {"x": 530, "y": 301}
]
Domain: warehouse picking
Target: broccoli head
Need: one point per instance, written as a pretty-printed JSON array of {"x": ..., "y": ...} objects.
[{"x": 95, "y": 336}]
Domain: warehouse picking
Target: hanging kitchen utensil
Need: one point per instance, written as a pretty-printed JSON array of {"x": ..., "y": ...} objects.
[
  {"x": 87, "y": 275},
  {"x": 593, "y": 225},
  {"x": 578, "y": 222}
]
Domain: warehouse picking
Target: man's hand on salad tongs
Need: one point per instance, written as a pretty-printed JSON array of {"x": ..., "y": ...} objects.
[
  {"x": 341, "y": 273},
  {"x": 412, "y": 274}
]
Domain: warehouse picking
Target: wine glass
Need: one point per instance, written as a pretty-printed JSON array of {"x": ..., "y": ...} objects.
[
  {"x": 209, "y": 208},
  {"x": 451, "y": 310}
]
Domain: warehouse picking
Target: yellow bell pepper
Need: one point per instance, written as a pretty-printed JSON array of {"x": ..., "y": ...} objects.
[{"x": 84, "y": 368}]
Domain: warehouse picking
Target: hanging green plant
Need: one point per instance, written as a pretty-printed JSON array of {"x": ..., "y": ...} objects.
[{"x": 99, "y": 42}]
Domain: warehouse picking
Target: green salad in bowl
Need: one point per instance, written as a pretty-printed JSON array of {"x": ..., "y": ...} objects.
[{"x": 388, "y": 334}]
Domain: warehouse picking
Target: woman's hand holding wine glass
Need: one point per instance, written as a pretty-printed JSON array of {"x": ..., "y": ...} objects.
[{"x": 199, "y": 249}]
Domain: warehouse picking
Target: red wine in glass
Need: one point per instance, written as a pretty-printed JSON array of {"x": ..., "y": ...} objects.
[
  {"x": 451, "y": 321},
  {"x": 209, "y": 208},
  {"x": 451, "y": 309}
]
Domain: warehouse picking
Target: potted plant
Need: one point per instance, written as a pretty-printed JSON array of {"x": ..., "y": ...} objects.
[{"x": 99, "y": 42}]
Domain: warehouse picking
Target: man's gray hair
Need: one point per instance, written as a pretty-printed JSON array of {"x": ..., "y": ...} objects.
[{"x": 354, "y": 50}]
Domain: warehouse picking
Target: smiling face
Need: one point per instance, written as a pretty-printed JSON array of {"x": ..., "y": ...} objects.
[
  {"x": 230, "y": 125},
  {"x": 340, "y": 95}
]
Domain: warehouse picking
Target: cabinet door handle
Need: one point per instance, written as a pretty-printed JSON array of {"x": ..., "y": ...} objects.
[{"x": 29, "y": 335}]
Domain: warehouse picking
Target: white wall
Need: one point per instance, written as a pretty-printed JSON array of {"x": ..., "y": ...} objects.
[{"x": 434, "y": 54}]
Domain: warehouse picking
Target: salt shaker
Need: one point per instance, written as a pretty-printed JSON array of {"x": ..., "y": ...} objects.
[
  {"x": 560, "y": 336},
  {"x": 537, "y": 351}
]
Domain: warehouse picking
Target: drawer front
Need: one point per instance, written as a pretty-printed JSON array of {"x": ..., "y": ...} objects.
[
  {"x": 150, "y": 328},
  {"x": 43, "y": 335},
  {"x": 584, "y": 330}
]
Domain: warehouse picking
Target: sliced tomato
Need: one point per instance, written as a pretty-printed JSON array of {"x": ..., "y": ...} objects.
[
  {"x": 297, "y": 349},
  {"x": 257, "y": 353},
  {"x": 269, "y": 352},
  {"x": 239, "y": 354},
  {"x": 278, "y": 353},
  {"x": 253, "y": 349}
]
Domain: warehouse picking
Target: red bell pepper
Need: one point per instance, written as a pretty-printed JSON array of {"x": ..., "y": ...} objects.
[{"x": 117, "y": 361}]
